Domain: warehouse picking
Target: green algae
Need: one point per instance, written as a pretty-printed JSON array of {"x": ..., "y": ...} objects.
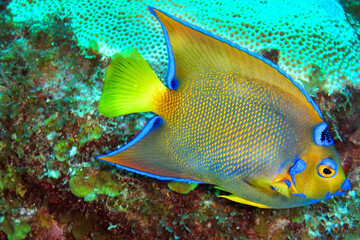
[
  {"x": 82, "y": 186},
  {"x": 66, "y": 148},
  {"x": 97, "y": 132},
  {"x": 15, "y": 229},
  {"x": 90, "y": 185},
  {"x": 9, "y": 179},
  {"x": 182, "y": 187},
  {"x": 51, "y": 172},
  {"x": 62, "y": 149},
  {"x": 87, "y": 134}
]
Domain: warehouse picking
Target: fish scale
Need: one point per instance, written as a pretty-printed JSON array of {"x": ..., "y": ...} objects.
[{"x": 193, "y": 120}]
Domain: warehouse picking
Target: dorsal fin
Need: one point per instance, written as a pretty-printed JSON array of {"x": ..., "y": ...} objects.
[{"x": 194, "y": 50}]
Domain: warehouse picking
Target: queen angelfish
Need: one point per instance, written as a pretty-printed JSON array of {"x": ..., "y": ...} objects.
[{"x": 226, "y": 117}]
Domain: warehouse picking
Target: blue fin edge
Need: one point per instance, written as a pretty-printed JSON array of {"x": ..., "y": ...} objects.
[
  {"x": 170, "y": 76},
  {"x": 154, "y": 122},
  {"x": 299, "y": 195},
  {"x": 163, "y": 178},
  {"x": 171, "y": 66}
]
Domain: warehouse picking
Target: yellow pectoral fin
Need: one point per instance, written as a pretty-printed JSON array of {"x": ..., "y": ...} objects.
[
  {"x": 281, "y": 188},
  {"x": 244, "y": 201},
  {"x": 277, "y": 184}
]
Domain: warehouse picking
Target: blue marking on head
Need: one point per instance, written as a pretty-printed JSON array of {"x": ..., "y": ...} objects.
[
  {"x": 328, "y": 162},
  {"x": 328, "y": 195},
  {"x": 154, "y": 122},
  {"x": 171, "y": 70},
  {"x": 308, "y": 200},
  {"x": 298, "y": 167},
  {"x": 288, "y": 183},
  {"x": 346, "y": 185},
  {"x": 300, "y": 195},
  {"x": 338, "y": 193},
  {"x": 322, "y": 135}
]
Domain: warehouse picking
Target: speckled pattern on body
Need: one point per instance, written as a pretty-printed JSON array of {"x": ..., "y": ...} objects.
[{"x": 230, "y": 117}]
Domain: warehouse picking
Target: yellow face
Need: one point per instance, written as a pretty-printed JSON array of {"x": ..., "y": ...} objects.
[{"x": 318, "y": 174}]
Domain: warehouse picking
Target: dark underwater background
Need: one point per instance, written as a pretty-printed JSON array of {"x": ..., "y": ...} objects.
[{"x": 51, "y": 75}]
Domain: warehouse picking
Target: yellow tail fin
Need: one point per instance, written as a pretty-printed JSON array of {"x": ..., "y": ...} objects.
[{"x": 130, "y": 85}]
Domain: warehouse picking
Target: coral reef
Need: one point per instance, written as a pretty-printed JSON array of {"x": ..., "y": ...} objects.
[
  {"x": 315, "y": 41},
  {"x": 51, "y": 186}
]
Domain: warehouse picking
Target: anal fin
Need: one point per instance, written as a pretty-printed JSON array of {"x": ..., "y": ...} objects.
[
  {"x": 281, "y": 188},
  {"x": 146, "y": 155}
]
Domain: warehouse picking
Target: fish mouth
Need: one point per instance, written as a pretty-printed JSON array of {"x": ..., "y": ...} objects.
[
  {"x": 343, "y": 189},
  {"x": 345, "y": 186}
]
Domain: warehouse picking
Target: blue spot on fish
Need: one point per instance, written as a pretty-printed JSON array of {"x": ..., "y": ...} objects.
[
  {"x": 288, "y": 183},
  {"x": 298, "y": 167},
  {"x": 346, "y": 185},
  {"x": 322, "y": 136},
  {"x": 299, "y": 195}
]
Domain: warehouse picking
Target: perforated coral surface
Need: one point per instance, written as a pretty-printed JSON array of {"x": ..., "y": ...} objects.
[{"x": 314, "y": 40}]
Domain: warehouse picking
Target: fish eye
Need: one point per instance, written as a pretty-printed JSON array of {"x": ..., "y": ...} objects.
[
  {"x": 326, "y": 171},
  {"x": 327, "y": 168}
]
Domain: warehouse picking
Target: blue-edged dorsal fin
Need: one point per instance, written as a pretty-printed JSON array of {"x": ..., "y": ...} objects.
[
  {"x": 192, "y": 50},
  {"x": 148, "y": 156}
]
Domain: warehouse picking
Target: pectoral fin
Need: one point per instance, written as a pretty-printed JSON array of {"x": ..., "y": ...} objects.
[
  {"x": 281, "y": 188},
  {"x": 279, "y": 185},
  {"x": 148, "y": 156}
]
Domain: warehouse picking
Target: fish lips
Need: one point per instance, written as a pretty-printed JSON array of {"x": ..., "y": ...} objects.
[{"x": 343, "y": 189}]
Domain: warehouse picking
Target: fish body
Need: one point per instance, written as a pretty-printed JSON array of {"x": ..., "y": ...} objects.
[{"x": 226, "y": 117}]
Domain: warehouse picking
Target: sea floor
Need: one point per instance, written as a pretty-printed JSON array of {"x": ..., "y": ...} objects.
[{"x": 52, "y": 187}]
